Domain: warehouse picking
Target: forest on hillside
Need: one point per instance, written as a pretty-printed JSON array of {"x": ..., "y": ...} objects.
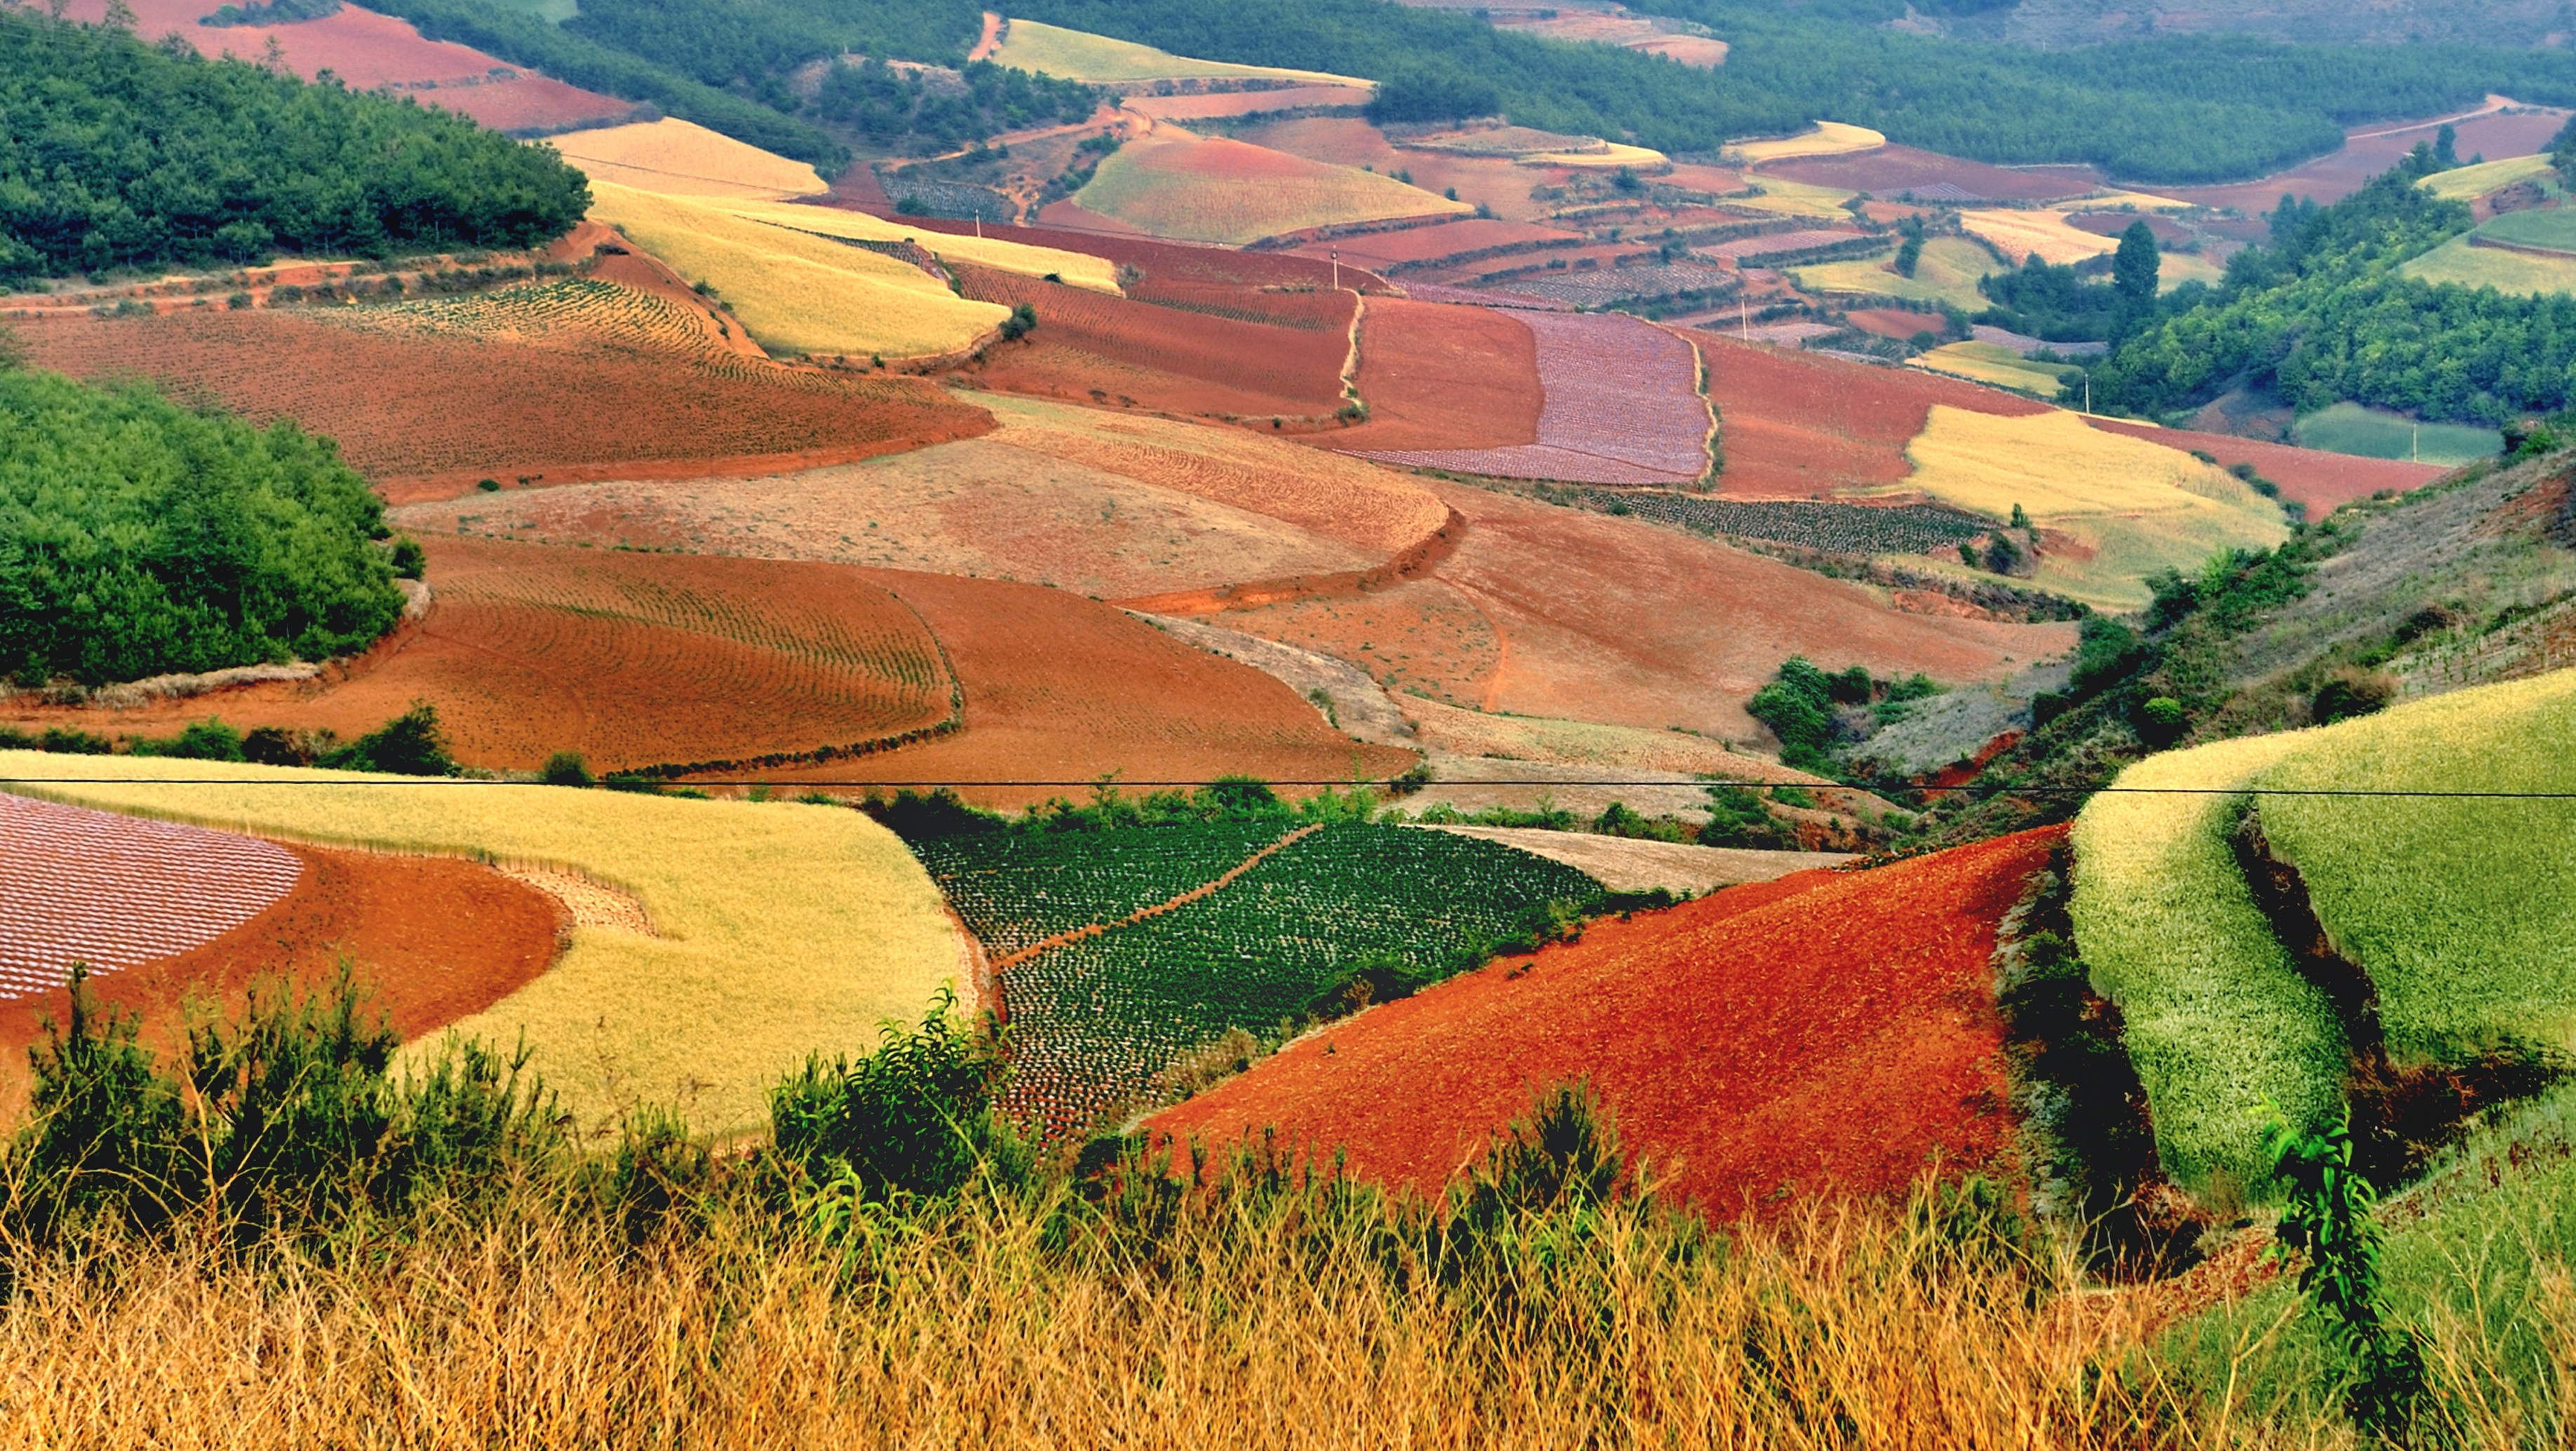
[{"x": 114, "y": 153}]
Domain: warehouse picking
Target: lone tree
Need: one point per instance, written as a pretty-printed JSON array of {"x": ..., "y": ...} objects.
[{"x": 2135, "y": 265}]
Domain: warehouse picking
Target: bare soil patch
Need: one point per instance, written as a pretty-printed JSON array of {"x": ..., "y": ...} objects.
[
  {"x": 2368, "y": 151},
  {"x": 2315, "y": 478},
  {"x": 1502, "y": 185},
  {"x": 1436, "y": 243},
  {"x": 1895, "y": 322},
  {"x": 1797, "y": 426},
  {"x": 1163, "y": 262},
  {"x": 1641, "y": 866},
  {"x": 1245, "y": 103},
  {"x": 427, "y": 414},
  {"x": 1821, "y": 1034},
  {"x": 1439, "y": 376},
  {"x": 1895, "y": 170}
]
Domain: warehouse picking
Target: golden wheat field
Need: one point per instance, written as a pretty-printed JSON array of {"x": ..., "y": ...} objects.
[
  {"x": 683, "y": 159},
  {"x": 797, "y": 293},
  {"x": 778, "y": 929},
  {"x": 2044, "y": 234},
  {"x": 1079, "y": 269},
  {"x": 1828, "y": 138},
  {"x": 1078, "y": 55}
]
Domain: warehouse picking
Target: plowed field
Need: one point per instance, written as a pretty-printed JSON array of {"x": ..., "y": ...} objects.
[
  {"x": 1894, "y": 170},
  {"x": 2370, "y": 150},
  {"x": 632, "y": 659},
  {"x": 1247, "y": 103},
  {"x": 2314, "y": 477},
  {"x": 1621, "y": 406},
  {"x": 1093, "y": 348},
  {"x": 367, "y": 50},
  {"x": 1500, "y": 183},
  {"x": 427, "y": 412},
  {"x": 1217, "y": 189},
  {"x": 1796, "y": 426},
  {"x": 1439, "y": 376},
  {"x": 1062, "y": 689},
  {"x": 1763, "y": 1046},
  {"x": 1162, "y": 262},
  {"x": 1433, "y": 244}
]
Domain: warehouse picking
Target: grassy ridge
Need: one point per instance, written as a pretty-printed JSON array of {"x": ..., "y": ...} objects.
[
  {"x": 781, "y": 929},
  {"x": 2461, "y": 911},
  {"x": 2219, "y": 1022}
]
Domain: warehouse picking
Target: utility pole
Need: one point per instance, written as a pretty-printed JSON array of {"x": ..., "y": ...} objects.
[
  {"x": 1337, "y": 268},
  {"x": 1743, "y": 319},
  {"x": 2415, "y": 444}
]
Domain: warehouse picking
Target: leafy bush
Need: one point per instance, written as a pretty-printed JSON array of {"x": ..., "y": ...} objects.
[
  {"x": 566, "y": 768},
  {"x": 411, "y": 744},
  {"x": 915, "y": 1117},
  {"x": 149, "y": 156},
  {"x": 139, "y": 539},
  {"x": 2350, "y": 692}
]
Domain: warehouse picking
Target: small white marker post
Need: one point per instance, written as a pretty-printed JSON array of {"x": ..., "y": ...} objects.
[{"x": 1337, "y": 269}]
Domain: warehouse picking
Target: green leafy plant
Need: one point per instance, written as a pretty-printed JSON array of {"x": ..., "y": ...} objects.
[{"x": 2326, "y": 1227}]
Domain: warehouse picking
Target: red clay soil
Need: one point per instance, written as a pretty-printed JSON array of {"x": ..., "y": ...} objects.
[
  {"x": 632, "y": 659},
  {"x": 1246, "y": 103},
  {"x": 1895, "y": 322},
  {"x": 1437, "y": 376},
  {"x": 425, "y": 416},
  {"x": 1891, "y": 170},
  {"x": 1824, "y": 1034},
  {"x": 2314, "y": 477},
  {"x": 2112, "y": 224},
  {"x": 434, "y": 939},
  {"x": 1170, "y": 261},
  {"x": 1061, "y": 689},
  {"x": 370, "y": 51},
  {"x": 1502, "y": 185},
  {"x": 2368, "y": 151},
  {"x": 1795, "y": 425},
  {"x": 1435, "y": 243},
  {"x": 1092, "y": 347},
  {"x": 1716, "y": 180},
  {"x": 1423, "y": 634}
]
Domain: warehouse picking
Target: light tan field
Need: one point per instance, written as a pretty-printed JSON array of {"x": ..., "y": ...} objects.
[
  {"x": 1102, "y": 504},
  {"x": 1641, "y": 866},
  {"x": 682, "y": 159},
  {"x": 1829, "y": 138},
  {"x": 1078, "y": 55},
  {"x": 2046, "y": 234},
  {"x": 1079, "y": 269}
]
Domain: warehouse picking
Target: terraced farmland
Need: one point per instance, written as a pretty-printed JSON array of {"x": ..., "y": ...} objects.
[
  {"x": 1622, "y": 407},
  {"x": 1835, "y": 528},
  {"x": 1217, "y": 190},
  {"x": 1096, "y": 1019},
  {"x": 114, "y": 892}
]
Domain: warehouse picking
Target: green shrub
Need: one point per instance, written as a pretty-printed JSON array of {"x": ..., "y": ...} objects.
[
  {"x": 410, "y": 561},
  {"x": 411, "y": 744},
  {"x": 915, "y": 1117},
  {"x": 565, "y": 768}
]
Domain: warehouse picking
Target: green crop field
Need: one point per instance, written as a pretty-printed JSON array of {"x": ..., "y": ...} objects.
[
  {"x": 1093, "y": 1021},
  {"x": 2462, "y": 911},
  {"x": 2512, "y": 273},
  {"x": 1017, "y": 889},
  {"x": 2001, "y": 367},
  {"x": 2219, "y": 1022},
  {"x": 1947, "y": 272},
  {"x": 2467, "y": 183},
  {"x": 2552, "y": 227},
  {"x": 2370, "y": 433}
]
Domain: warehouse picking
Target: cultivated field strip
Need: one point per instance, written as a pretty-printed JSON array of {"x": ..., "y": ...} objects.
[
  {"x": 1014, "y": 892},
  {"x": 90, "y": 886},
  {"x": 1623, "y": 407}
]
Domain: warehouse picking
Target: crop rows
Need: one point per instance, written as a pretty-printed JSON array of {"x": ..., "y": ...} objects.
[
  {"x": 1016, "y": 890},
  {"x": 1834, "y": 528},
  {"x": 1604, "y": 286},
  {"x": 1096, "y": 1020},
  {"x": 115, "y": 892}
]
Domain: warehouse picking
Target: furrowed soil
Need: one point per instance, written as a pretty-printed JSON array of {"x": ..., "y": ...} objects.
[
  {"x": 425, "y": 408},
  {"x": 1502, "y": 185},
  {"x": 1060, "y": 690},
  {"x": 1891, "y": 171},
  {"x": 2370, "y": 150},
  {"x": 632, "y": 659},
  {"x": 1217, "y": 189},
  {"x": 1797, "y": 426},
  {"x": 435, "y": 940},
  {"x": 1821, "y": 1034},
  {"x": 1093, "y": 348},
  {"x": 1166, "y": 262},
  {"x": 2314, "y": 477},
  {"x": 1578, "y": 616},
  {"x": 1435, "y": 243},
  {"x": 1439, "y": 376}
]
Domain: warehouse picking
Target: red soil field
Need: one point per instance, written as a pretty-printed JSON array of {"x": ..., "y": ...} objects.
[
  {"x": 1072, "y": 216},
  {"x": 1895, "y": 322},
  {"x": 1893, "y": 169},
  {"x": 2315, "y": 478},
  {"x": 1796, "y": 426},
  {"x": 2368, "y": 151},
  {"x": 425, "y": 416},
  {"x": 367, "y": 51},
  {"x": 632, "y": 659},
  {"x": 1501, "y": 184},
  {"x": 1716, "y": 180},
  {"x": 1432, "y": 244},
  {"x": 1820, "y": 1035},
  {"x": 432, "y": 940},
  {"x": 1437, "y": 376},
  {"x": 1062, "y": 689},
  {"x": 1171, "y": 262},
  {"x": 1776, "y": 243},
  {"x": 1093, "y": 347},
  {"x": 1245, "y": 103},
  {"x": 1420, "y": 634}
]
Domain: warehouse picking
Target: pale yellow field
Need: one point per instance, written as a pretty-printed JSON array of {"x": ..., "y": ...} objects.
[
  {"x": 1795, "y": 199},
  {"x": 1078, "y": 269},
  {"x": 1582, "y": 743},
  {"x": 2511, "y": 273},
  {"x": 681, "y": 159},
  {"x": 797, "y": 293},
  {"x": 1989, "y": 363},
  {"x": 1614, "y": 154},
  {"x": 2134, "y": 507},
  {"x": 2468, "y": 183},
  {"x": 1829, "y": 138},
  {"x": 1947, "y": 271},
  {"x": 782, "y": 929},
  {"x": 1078, "y": 55},
  {"x": 1211, "y": 190},
  {"x": 2046, "y": 233}
]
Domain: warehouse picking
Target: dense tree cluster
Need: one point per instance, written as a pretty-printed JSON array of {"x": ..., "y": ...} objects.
[
  {"x": 138, "y": 539},
  {"x": 2063, "y": 303},
  {"x": 2322, "y": 315},
  {"x": 118, "y": 154},
  {"x": 890, "y": 107}
]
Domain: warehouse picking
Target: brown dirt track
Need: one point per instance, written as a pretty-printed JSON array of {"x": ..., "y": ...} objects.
[
  {"x": 1090, "y": 347},
  {"x": 1797, "y": 426},
  {"x": 2315, "y": 478},
  {"x": 1819, "y": 1034},
  {"x": 425, "y": 415},
  {"x": 1060, "y": 688},
  {"x": 436, "y": 940},
  {"x": 1437, "y": 376},
  {"x": 632, "y": 659}
]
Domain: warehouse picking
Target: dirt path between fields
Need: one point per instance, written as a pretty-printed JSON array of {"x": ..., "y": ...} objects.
[{"x": 1159, "y": 908}]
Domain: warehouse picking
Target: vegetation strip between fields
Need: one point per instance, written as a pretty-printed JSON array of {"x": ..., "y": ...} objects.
[{"x": 1184, "y": 899}]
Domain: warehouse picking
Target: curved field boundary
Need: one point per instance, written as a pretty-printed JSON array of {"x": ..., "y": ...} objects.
[
  {"x": 1413, "y": 562},
  {"x": 1623, "y": 406},
  {"x": 784, "y": 929},
  {"x": 1158, "y": 909},
  {"x": 2554, "y": 254},
  {"x": 90, "y": 886}
]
